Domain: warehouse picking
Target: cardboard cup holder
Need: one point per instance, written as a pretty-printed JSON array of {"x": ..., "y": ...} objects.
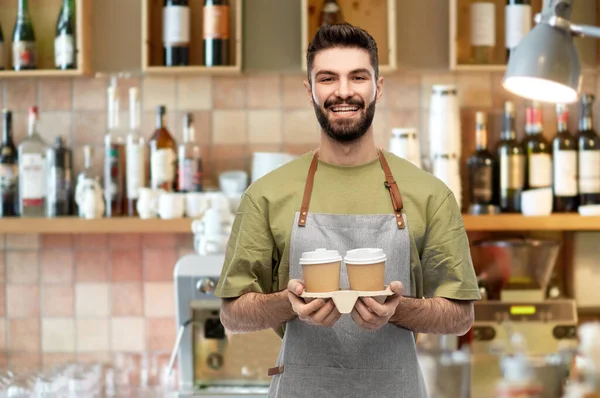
[{"x": 345, "y": 299}]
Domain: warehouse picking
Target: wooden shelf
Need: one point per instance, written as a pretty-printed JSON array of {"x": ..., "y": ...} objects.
[
  {"x": 377, "y": 17},
  {"x": 44, "y": 15},
  {"x": 152, "y": 46},
  {"x": 75, "y": 225},
  {"x": 518, "y": 222}
]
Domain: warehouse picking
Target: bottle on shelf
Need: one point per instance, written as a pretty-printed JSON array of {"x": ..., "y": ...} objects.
[
  {"x": 564, "y": 165},
  {"x": 59, "y": 166},
  {"x": 483, "y": 31},
  {"x": 135, "y": 176},
  {"x": 32, "y": 170},
  {"x": 114, "y": 159},
  {"x": 216, "y": 32},
  {"x": 481, "y": 167},
  {"x": 589, "y": 154},
  {"x": 88, "y": 171},
  {"x": 2, "y": 52},
  {"x": 163, "y": 154},
  {"x": 23, "y": 39},
  {"x": 331, "y": 13},
  {"x": 189, "y": 159},
  {"x": 518, "y": 19},
  {"x": 9, "y": 163},
  {"x": 64, "y": 40},
  {"x": 538, "y": 163},
  {"x": 176, "y": 33},
  {"x": 511, "y": 163}
]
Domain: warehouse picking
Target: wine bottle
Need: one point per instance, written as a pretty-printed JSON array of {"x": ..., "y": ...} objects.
[
  {"x": 1, "y": 48},
  {"x": 481, "y": 166},
  {"x": 114, "y": 159},
  {"x": 9, "y": 161},
  {"x": 163, "y": 154},
  {"x": 176, "y": 33},
  {"x": 483, "y": 31},
  {"x": 136, "y": 159},
  {"x": 32, "y": 170},
  {"x": 59, "y": 163},
  {"x": 23, "y": 39},
  {"x": 589, "y": 154},
  {"x": 564, "y": 165},
  {"x": 190, "y": 159},
  {"x": 331, "y": 13},
  {"x": 64, "y": 41},
  {"x": 539, "y": 158},
  {"x": 511, "y": 159},
  {"x": 216, "y": 32},
  {"x": 517, "y": 23}
]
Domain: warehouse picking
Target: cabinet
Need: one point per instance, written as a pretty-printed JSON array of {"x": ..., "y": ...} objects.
[
  {"x": 152, "y": 43},
  {"x": 378, "y": 17},
  {"x": 44, "y": 15}
]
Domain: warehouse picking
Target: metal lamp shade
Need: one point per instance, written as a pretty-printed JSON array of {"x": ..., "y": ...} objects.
[{"x": 545, "y": 66}]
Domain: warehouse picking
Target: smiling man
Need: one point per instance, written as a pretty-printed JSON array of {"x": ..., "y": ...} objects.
[{"x": 344, "y": 195}]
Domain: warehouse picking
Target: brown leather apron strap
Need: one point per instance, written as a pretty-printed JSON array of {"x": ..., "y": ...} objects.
[
  {"x": 308, "y": 190},
  {"x": 392, "y": 188},
  {"x": 275, "y": 371}
]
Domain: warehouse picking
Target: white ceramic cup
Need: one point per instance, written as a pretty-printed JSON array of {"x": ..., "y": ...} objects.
[
  {"x": 170, "y": 205},
  {"x": 146, "y": 206},
  {"x": 536, "y": 202},
  {"x": 196, "y": 203},
  {"x": 233, "y": 181}
]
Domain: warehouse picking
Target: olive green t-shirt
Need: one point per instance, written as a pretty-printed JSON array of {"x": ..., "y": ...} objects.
[{"x": 257, "y": 256}]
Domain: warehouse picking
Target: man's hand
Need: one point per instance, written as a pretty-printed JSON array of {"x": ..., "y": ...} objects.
[
  {"x": 318, "y": 312},
  {"x": 370, "y": 315}
]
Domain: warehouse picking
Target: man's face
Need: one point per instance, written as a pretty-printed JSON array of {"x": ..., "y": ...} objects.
[{"x": 344, "y": 92}]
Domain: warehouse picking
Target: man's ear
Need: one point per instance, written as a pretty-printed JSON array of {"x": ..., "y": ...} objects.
[
  {"x": 379, "y": 87},
  {"x": 308, "y": 88}
]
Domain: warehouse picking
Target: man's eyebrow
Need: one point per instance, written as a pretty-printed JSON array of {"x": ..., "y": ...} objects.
[{"x": 352, "y": 72}]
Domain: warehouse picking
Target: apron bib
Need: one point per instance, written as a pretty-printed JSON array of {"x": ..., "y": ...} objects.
[{"x": 345, "y": 360}]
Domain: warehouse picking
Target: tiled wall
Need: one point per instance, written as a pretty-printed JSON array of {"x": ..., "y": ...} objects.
[{"x": 85, "y": 297}]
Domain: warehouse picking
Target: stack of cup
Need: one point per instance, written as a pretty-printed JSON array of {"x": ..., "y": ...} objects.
[
  {"x": 405, "y": 144},
  {"x": 445, "y": 136}
]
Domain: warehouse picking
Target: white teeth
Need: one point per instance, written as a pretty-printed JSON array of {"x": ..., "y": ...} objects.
[{"x": 344, "y": 109}]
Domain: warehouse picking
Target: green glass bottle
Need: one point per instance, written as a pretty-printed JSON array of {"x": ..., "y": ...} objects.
[
  {"x": 64, "y": 41},
  {"x": 23, "y": 47}
]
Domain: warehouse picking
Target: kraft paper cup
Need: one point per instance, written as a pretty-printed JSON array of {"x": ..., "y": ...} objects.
[
  {"x": 321, "y": 270},
  {"x": 366, "y": 269}
]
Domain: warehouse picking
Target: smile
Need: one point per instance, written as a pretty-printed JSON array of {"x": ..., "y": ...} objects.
[{"x": 344, "y": 110}]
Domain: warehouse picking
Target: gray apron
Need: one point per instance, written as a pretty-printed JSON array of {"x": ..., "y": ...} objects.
[{"x": 347, "y": 361}]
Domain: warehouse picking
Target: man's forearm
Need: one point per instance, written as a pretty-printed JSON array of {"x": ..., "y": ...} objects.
[
  {"x": 255, "y": 311},
  {"x": 435, "y": 315}
]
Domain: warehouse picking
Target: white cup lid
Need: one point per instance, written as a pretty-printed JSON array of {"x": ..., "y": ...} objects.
[
  {"x": 320, "y": 256},
  {"x": 365, "y": 256}
]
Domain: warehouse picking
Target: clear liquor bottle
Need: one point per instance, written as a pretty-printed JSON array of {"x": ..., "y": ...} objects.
[
  {"x": 88, "y": 171},
  {"x": 135, "y": 176},
  {"x": 189, "y": 159},
  {"x": 32, "y": 170},
  {"x": 114, "y": 159}
]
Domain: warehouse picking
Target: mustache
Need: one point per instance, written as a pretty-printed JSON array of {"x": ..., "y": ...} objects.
[{"x": 339, "y": 101}]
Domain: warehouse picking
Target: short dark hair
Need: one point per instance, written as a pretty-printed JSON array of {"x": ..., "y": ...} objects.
[{"x": 342, "y": 35}]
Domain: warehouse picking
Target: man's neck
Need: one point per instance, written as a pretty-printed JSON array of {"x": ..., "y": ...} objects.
[{"x": 353, "y": 153}]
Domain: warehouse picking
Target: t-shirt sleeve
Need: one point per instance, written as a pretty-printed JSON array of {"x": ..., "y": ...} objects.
[
  {"x": 446, "y": 260},
  {"x": 248, "y": 258}
]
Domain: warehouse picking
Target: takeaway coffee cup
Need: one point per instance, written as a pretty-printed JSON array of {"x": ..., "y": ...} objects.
[
  {"x": 321, "y": 270},
  {"x": 366, "y": 269}
]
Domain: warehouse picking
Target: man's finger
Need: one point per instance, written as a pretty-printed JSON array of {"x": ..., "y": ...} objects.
[
  {"x": 357, "y": 318},
  {"x": 375, "y": 307},
  {"x": 332, "y": 317},
  {"x": 364, "y": 312},
  {"x": 323, "y": 312},
  {"x": 313, "y": 306}
]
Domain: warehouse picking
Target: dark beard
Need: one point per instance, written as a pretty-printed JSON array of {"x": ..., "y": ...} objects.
[{"x": 347, "y": 130}]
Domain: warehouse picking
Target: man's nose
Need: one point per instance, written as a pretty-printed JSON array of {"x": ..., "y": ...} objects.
[{"x": 344, "y": 89}]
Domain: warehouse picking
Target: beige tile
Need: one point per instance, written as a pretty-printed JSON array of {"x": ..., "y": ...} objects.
[
  {"x": 194, "y": 93},
  {"x": 159, "y": 300},
  {"x": 91, "y": 265},
  {"x": 58, "y": 301},
  {"x": 161, "y": 334},
  {"x": 301, "y": 127},
  {"x": 25, "y": 362},
  {"x": 90, "y": 94},
  {"x": 89, "y": 128},
  {"x": 22, "y": 241},
  {"x": 3, "y": 333},
  {"x": 23, "y": 301},
  {"x": 159, "y": 91},
  {"x": 3, "y": 301},
  {"x": 58, "y": 335},
  {"x": 229, "y": 92},
  {"x": 230, "y": 127},
  {"x": 55, "y": 94},
  {"x": 127, "y": 299},
  {"x": 265, "y": 126},
  {"x": 402, "y": 91},
  {"x": 126, "y": 265},
  {"x": 92, "y": 300},
  {"x": 20, "y": 127},
  {"x": 54, "y": 124},
  {"x": 2, "y": 241},
  {"x": 294, "y": 93},
  {"x": 94, "y": 357},
  {"x": 474, "y": 89},
  {"x": 228, "y": 157},
  {"x": 264, "y": 92},
  {"x": 57, "y": 266},
  {"x": 159, "y": 264},
  {"x": 158, "y": 240},
  {"x": 21, "y": 94},
  {"x": 92, "y": 335},
  {"x": 51, "y": 360},
  {"x": 202, "y": 127},
  {"x": 125, "y": 241},
  {"x": 92, "y": 241},
  {"x": 2, "y": 266},
  {"x": 22, "y": 267},
  {"x": 56, "y": 241},
  {"x": 380, "y": 129},
  {"x": 428, "y": 80},
  {"x": 24, "y": 335},
  {"x": 128, "y": 334}
]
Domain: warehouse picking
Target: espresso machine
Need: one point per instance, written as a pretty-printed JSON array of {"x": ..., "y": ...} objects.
[
  {"x": 210, "y": 360},
  {"x": 516, "y": 316}
]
